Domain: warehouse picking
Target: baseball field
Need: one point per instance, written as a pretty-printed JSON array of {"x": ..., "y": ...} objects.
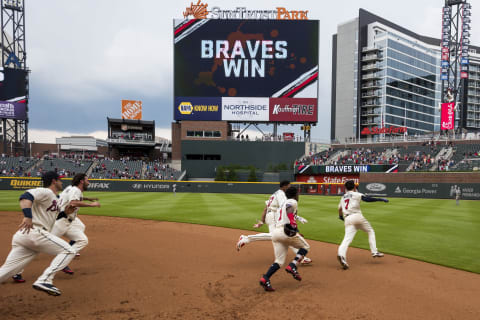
[
  {"x": 163, "y": 265},
  {"x": 431, "y": 230}
]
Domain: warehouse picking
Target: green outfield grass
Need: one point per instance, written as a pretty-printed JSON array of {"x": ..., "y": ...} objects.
[{"x": 435, "y": 231}]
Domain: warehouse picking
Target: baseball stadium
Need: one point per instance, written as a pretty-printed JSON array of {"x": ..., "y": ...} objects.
[{"x": 198, "y": 225}]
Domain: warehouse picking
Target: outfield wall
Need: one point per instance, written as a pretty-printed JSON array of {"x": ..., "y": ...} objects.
[
  {"x": 421, "y": 185},
  {"x": 380, "y": 187}
]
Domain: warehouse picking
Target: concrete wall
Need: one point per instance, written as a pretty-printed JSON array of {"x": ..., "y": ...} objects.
[{"x": 260, "y": 154}]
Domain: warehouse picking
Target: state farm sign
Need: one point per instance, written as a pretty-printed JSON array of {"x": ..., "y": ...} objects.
[
  {"x": 387, "y": 130},
  {"x": 293, "y": 110}
]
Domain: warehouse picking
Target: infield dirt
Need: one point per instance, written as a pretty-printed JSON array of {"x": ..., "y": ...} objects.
[{"x": 139, "y": 269}]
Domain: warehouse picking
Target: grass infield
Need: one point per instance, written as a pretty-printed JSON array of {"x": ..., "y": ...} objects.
[{"x": 431, "y": 230}]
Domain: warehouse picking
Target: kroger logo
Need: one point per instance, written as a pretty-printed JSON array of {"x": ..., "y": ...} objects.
[
  {"x": 376, "y": 187},
  {"x": 185, "y": 108}
]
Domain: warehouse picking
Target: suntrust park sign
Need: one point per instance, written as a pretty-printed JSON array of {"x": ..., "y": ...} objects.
[{"x": 200, "y": 11}]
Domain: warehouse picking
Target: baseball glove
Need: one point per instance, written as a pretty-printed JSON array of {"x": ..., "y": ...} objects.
[{"x": 289, "y": 230}]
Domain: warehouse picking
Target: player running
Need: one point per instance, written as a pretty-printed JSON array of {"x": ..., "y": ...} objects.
[
  {"x": 272, "y": 205},
  {"x": 70, "y": 225},
  {"x": 349, "y": 211},
  {"x": 286, "y": 234},
  {"x": 40, "y": 209}
]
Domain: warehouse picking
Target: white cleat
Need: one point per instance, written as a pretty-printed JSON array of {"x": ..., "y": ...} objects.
[
  {"x": 243, "y": 240},
  {"x": 306, "y": 260},
  {"x": 377, "y": 255},
  {"x": 343, "y": 262}
]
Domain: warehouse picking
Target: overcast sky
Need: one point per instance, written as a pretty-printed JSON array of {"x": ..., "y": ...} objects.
[{"x": 86, "y": 56}]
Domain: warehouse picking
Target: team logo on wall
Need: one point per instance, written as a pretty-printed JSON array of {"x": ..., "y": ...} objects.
[{"x": 293, "y": 109}]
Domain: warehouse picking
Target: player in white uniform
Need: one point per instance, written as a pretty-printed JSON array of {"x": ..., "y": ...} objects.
[
  {"x": 40, "y": 209},
  {"x": 70, "y": 226},
  {"x": 349, "y": 211},
  {"x": 284, "y": 235},
  {"x": 272, "y": 205},
  {"x": 458, "y": 194}
]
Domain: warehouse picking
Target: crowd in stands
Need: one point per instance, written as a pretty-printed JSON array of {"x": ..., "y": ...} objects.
[
  {"x": 69, "y": 164},
  {"x": 16, "y": 166},
  {"x": 431, "y": 155}
]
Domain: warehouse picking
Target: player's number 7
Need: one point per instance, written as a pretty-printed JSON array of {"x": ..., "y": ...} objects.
[{"x": 346, "y": 203}]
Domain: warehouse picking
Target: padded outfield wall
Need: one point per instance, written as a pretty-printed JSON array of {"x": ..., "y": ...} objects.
[{"x": 402, "y": 185}]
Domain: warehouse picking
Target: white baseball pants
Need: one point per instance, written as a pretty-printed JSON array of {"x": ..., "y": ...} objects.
[
  {"x": 281, "y": 242},
  {"x": 74, "y": 230},
  {"x": 353, "y": 223},
  {"x": 25, "y": 247}
]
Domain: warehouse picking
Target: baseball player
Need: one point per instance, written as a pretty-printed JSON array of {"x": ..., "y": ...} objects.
[
  {"x": 286, "y": 234},
  {"x": 272, "y": 205},
  {"x": 349, "y": 211},
  {"x": 70, "y": 226},
  {"x": 40, "y": 209},
  {"x": 458, "y": 193}
]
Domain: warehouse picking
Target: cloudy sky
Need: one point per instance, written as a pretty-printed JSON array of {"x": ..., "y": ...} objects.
[{"x": 86, "y": 56}]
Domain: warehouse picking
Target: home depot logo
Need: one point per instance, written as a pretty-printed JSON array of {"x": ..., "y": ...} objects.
[{"x": 389, "y": 130}]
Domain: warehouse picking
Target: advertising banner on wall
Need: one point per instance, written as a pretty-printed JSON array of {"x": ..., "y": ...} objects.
[
  {"x": 293, "y": 110},
  {"x": 447, "y": 118},
  {"x": 245, "y": 109},
  {"x": 13, "y": 110},
  {"x": 344, "y": 169},
  {"x": 198, "y": 108},
  {"x": 132, "y": 109}
]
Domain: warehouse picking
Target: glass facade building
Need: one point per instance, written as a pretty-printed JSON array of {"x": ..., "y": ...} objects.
[{"x": 398, "y": 77}]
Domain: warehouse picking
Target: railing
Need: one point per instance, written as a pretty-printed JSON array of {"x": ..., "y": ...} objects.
[{"x": 132, "y": 142}]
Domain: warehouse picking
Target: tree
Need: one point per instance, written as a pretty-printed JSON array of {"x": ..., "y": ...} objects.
[
  {"x": 232, "y": 175},
  {"x": 220, "y": 174},
  {"x": 252, "y": 177}
]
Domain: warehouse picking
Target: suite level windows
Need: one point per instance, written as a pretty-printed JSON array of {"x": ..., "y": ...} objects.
[{"x": 203, "y": 134}]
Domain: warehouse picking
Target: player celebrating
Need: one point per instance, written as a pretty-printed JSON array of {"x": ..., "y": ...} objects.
[
  {"x": 40, "y": 209},
  {"x": 272, "y": 205},
  {"x": 349, "y": 211},
  {"x": 70, "y": 225},
  {"x": 284, "y": 235}
]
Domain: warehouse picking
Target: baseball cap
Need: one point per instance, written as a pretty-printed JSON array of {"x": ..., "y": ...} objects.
[{"x": 48, "y": 177}]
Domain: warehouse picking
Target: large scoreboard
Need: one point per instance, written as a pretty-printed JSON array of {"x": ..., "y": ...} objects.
[{"x": 246, "y": 70}]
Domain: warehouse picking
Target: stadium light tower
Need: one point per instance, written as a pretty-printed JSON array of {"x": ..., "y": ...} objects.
[
  {"x": 454, "y": 59},
  {"x": 15, "y": 131}
]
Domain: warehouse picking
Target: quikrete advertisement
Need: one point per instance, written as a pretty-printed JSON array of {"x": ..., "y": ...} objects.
[{"x": 246, "y": 58}]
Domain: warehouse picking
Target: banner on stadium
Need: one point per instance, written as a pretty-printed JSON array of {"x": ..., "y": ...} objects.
[
  {"x": 245, "y": 109},
  {"x": 13, "y": 85},
  {"x": 203, "y": 109},
  {"x": 447, "y": 118},
  {"x": 246, "y": 58},
  {"x": 132, "y": 109},
  {"x": 344, "y": 169},
  {"x": 293, "y": 110},
  {"x": 325, "y": 178},
  {"x": 13, "y": 110}
]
